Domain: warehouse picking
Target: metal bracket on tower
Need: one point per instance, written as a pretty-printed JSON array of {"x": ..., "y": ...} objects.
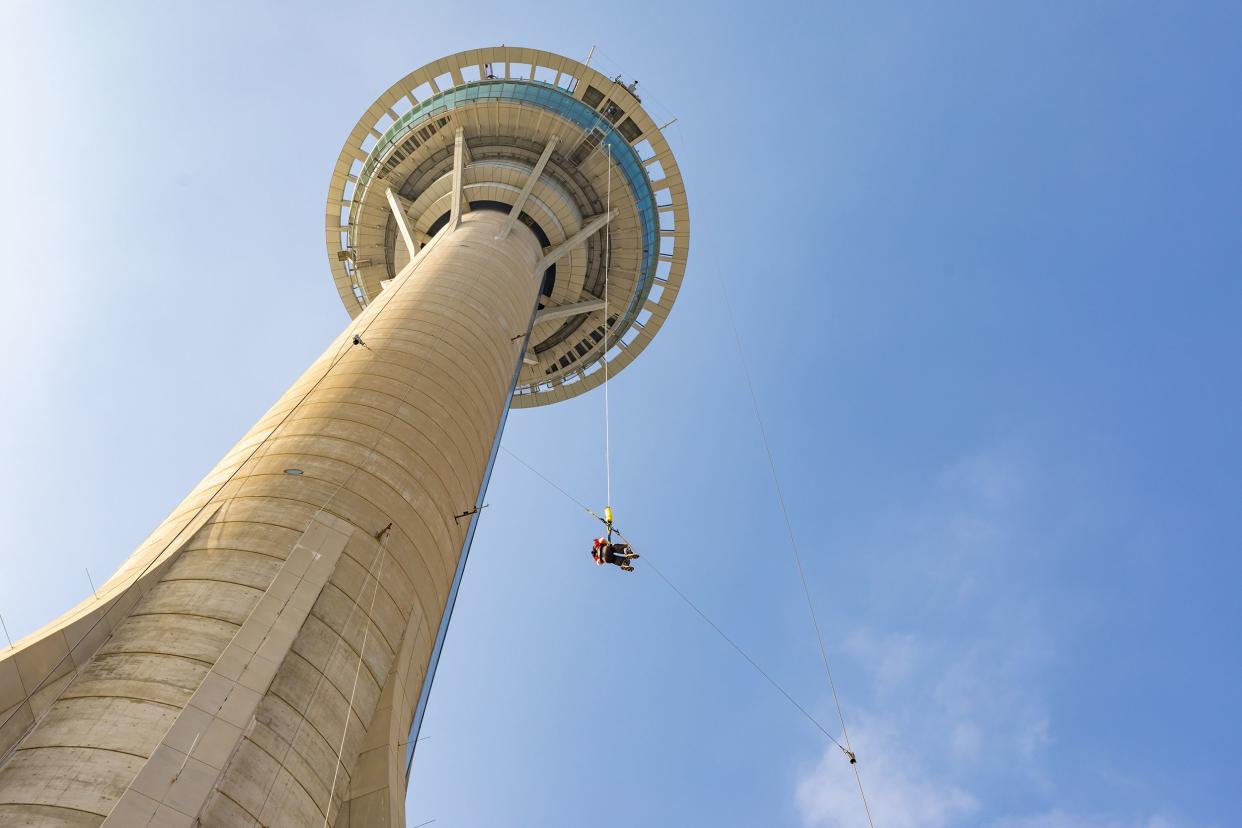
[
  {"x": 516, "y": 210},
  {"x": 473, "y": 511},
  {"x": 556, "y": 253}
]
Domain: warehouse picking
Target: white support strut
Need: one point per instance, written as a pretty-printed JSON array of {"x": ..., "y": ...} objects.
[
  {"x": 516, "y": 210},
  {"x": 398, "y": 212},
  {"x": 561, "y": 311},
  {"x": 459, "y": 157},
  {"x": 592, "y": 227}
]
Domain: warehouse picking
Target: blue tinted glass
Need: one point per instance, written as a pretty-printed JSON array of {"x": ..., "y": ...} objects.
[{"x": 568, "y": 107}]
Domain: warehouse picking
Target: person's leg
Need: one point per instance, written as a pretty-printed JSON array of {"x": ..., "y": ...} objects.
[{"x": 619, "y": 560}]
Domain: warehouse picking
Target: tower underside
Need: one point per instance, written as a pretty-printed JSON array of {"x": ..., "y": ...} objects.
[{"x": 554, "y": 143}]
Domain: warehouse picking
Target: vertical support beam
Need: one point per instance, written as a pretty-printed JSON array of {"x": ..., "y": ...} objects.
[
  {"x": 554, "y": 255},
  {"x": 459, "y": 153},
  {"x": 526, "y": 190},
  {"x": 229, "y": 695},
  {"x": 398, "y": 212}
]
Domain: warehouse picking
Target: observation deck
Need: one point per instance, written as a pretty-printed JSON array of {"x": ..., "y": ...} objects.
[{"x": 557, "y": 146}]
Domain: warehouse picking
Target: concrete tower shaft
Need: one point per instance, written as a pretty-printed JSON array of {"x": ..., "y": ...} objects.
[
  {"x": 244, "y": 650},
  {"x": 554, "y": 143},
  {"x": 501, "y": 223}
]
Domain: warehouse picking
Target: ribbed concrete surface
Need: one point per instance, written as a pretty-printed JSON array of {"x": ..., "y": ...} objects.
[{"x": 399, "y": 431}]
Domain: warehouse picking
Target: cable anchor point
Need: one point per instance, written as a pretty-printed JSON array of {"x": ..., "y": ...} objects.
[{"x": 473, "y": 511}]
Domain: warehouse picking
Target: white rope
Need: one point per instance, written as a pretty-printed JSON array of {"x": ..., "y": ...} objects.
[
  {"x": 647, "y": 562},
  {"x": 349, "y": 712},
  {"x": 848, "y": 748},
  {"x": 607, "y": 260}
]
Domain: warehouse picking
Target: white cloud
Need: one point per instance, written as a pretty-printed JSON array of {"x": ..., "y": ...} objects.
[
  {"x": 892, "y": 659},
  {"x": 900, "y": 792},
  {"x": 961, "y": 680},
  {"x": 966, "y": 739}
]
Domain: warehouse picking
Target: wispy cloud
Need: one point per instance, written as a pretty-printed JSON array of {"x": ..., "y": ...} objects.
[
  {"x": 957, "y": 698},
  {"x": 899, "y": 789},
  {"x": 962, "y": 682},
  {"x": 951, "y": 712}
]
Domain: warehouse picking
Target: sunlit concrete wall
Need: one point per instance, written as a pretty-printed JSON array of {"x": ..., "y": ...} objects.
[{"x": 239, "y": 637}]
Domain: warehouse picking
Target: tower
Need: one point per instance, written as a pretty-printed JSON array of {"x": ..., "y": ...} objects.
[{"x": 505, "y": 226}]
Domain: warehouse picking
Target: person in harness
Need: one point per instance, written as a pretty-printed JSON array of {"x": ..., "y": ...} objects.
[{"x": 618, "y": 554}]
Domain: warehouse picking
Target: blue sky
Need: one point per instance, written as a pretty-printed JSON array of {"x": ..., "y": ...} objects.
[{"x": 987, "y": 265}]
